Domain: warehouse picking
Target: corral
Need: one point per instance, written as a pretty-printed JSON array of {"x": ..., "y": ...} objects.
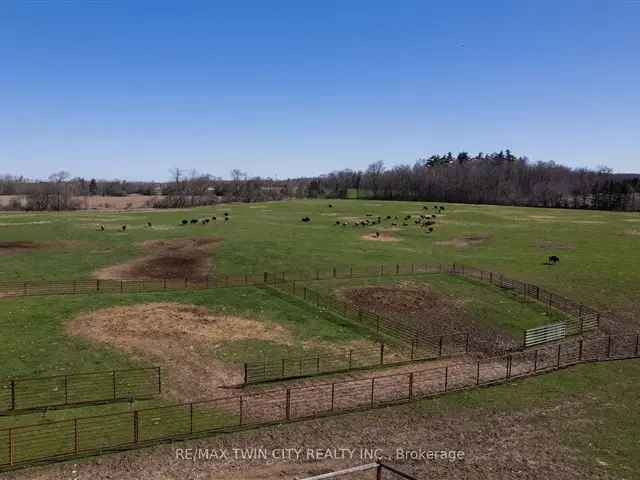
[{"x": 222, "y": 307}]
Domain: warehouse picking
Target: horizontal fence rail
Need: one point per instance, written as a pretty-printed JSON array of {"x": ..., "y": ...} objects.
[
  {"x": 26, "y": 445},
  {"x": 379, "y": 471},
  {"x": 582, "y": 318},
  {"x": 353, "y": 359},
  {"x": 38, "y": 393},
  {"x": 425, "y": 345}
]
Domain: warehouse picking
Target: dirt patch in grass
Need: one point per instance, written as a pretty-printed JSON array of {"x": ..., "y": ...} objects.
[
  {"x": 8, "y": 247},
  {"x": 180, "y": 258},
  {"x": 463, "y": 242},
  {"x": 496, "y": 445},
  {"x": 418, "y": 306},
  {"x": 180, "y": 338},
  {"x": 555, "y": 245},
  {"x": 383, "y": 236},
  {"x": 634, "y": 233}
]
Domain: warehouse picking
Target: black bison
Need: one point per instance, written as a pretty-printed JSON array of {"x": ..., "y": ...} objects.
[
  {"x": 553, "y": 259},
  {"x": 184, "y": 222},
  {"x": 194, "y": 220},
  {"x": 124, "y": 228},
  {"x": 306, "y": 219}
]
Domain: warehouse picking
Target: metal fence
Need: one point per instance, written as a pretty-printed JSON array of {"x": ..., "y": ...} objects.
[
  {"x": 581, "y": 317},
  {"x": 83, "y": 286},
  {"x": 372, "y": 471},
  {"x": 36, "y": 393},
  {"x": 350, "y": 359},
  {"x": 25, "y": 445}
]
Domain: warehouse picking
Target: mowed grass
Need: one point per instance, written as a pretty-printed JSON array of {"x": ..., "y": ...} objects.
[{"x": 599, "y": 266}]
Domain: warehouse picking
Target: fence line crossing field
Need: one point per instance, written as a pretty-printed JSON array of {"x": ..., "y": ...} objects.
[{"x": 203, "y": 340}]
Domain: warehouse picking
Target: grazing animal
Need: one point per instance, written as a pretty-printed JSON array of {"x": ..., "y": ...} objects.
[
  {"x": 553, "y": 259},
  {"x": 337, "y": 222},
  {"x": 330, "y": 206},
  {"x": 194, "y": 220},
  {"x": 184, "y": 222},
  {"x": 394, "y": 224},
  {"x": 425, "y": 207},
  {"x": 226, "y": 214},
  {"x": 102, "y": 228},
  {"x": 226, "y": 219},
  {"x": 306, "y": 219},
  {"x": 124, "y": 228},
  {"x": 430, "y": 229},
  {"x": 405, "y": 224},
  {"x": 388, "y": 217},
  {"x": 213, "y": 218},
  {"x": 433, "y": 216},
  {"x": 377, "y": 234},
  {"x": 148, "y": 224}
]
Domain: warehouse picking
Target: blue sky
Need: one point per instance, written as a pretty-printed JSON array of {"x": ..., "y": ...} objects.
[{"x": 128, "y": 90}]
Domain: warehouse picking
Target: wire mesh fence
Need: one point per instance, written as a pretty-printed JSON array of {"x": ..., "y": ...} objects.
[
  {"x": 355, "y": 359},
  {"x": 25, "y": 445},
  {"x": 370, "y": 471},
  {"x": 36, "y": 393}
]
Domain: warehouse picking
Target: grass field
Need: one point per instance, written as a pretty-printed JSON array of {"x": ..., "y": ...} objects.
[{"x": 599, "y": 266}]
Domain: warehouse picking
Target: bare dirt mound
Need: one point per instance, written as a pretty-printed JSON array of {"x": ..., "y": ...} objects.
[
  {"x": 180, "y": 258},
  {"x": 381, "y": 237},
  {"x": 419, "y": 306},
  {"x": 180, "y": 338},
  {"x": 463, "y": 242},
  {"x": 7, "y": 247}
]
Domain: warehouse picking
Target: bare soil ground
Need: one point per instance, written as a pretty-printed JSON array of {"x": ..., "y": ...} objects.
[
  {"x": 635, "y": 233},
  {"x": 418, "y": 305},
  {"x": 384, "y": 236},
  {"x": 180, "y": 258},
  {"x": 180, "y": 338},
  {"x": 463, "y": 242},
  {"x": 8, "y": 247},
  {"x": 496, "y": 445}
]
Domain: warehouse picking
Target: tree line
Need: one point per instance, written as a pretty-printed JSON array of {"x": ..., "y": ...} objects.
[{"x": 499, "y": 178}]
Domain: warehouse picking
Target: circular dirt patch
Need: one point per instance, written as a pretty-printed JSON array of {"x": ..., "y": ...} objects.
[
  {"x": 180, "y": 339},
  {"x": 381, "y": 237},
  {"x": 435, "y": 314},
  {"x": 180, "y": 258}
]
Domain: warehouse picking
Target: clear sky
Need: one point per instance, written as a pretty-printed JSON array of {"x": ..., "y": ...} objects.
[{"x": 124, "y": 89}]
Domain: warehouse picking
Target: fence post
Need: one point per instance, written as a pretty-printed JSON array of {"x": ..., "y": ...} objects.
[
  {"x": 11, "y": 447},
  {"x": 245, "y": 373},
  {"x": 288, "y": 404},
  {"x": 159, "y": 380},
  {"x": 637, "y": 345},
  {"x": 121, "y": 286},
  {"x": 284, "y": 362},
  {"x": 509, "y": 361},
  {"x": 13, "y": 394},
  {"x": 98, "y": 285},
  {"x": 333, "y": 392},
  {"x": 397, "y": 269},
  {"x": 413, "y": 347},
  {"x": 136, "y": 433},
  {"x": 75, "y": 436},
  {"x": 382, "y": 354},
  {"x": 535, "y": 361},
  {"x": 318, "y": 364},
  {"x": 411, "y": 386},
  {"x": 478, "y": 374},
  {"x": 264, "y": 277},
  {"x": 446, "y": 377},
  {"x": 466, "y": 346},
  {"x": 191, "y": 418},
  {"x": 66, "y": 389},
  {"x": 440, "y": 347},
  {"x": 114, "y": 385},
  {"x": 559, "y": 350},
  {"x": 241, "y": 409},
  {"x": 350, "y": 358},
  {"x": 580, "y": 347},
  {"x": 373, "y": 382},
  {"x": 609, "y": 347}
]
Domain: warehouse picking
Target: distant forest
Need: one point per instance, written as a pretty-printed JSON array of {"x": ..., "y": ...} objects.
[{"x": 496, "y": 178}]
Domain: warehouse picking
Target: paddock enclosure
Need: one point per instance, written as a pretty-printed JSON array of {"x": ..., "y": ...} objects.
[{"x": 121, "y": 338}]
